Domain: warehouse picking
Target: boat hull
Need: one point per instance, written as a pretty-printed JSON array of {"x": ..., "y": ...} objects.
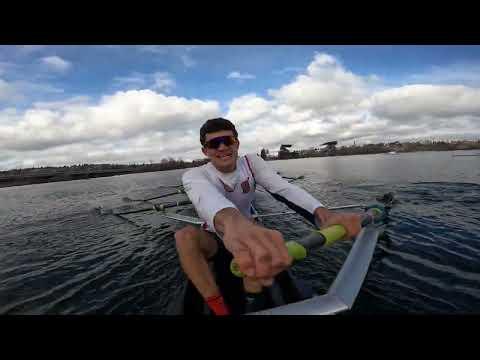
[{"x": 285, "y": 290}]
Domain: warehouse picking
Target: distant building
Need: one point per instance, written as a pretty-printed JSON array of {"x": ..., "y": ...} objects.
[
  {"x": 394, "y": 146},
  {"x": 263, "y": 154},
  {"x": 284, "y": 153},
  {"x": 330, "y": 147}
]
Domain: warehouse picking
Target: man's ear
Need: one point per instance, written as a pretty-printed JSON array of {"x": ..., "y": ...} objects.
[{"x": 204, "y": 151}]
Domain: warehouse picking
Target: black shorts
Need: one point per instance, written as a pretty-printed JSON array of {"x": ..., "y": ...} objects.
[{"x": 221, "y": 252}]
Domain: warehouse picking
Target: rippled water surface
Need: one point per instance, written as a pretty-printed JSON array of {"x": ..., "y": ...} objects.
[{"x": 59, "y": 256}]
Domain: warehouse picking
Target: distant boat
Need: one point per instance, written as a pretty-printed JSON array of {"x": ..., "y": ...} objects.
[{"x": 392, "y": 153}]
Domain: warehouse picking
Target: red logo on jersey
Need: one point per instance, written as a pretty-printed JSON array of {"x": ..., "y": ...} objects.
[{"x": 245, "y": 186}]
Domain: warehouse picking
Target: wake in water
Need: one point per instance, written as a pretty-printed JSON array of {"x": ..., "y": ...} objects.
[{"x": 430, "y": 264}]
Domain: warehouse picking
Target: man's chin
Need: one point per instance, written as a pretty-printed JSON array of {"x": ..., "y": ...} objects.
[{"x": 225, "y": 165}]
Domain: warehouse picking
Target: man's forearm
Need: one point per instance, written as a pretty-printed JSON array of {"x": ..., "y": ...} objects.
[
  {"x": 225, "y": 217},
  {"x": 295, "y": 195},
  {"x": 322, "y": 214}
]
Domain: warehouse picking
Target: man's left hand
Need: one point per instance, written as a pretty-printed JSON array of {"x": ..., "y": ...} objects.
[{"x": 351, "y": 221}]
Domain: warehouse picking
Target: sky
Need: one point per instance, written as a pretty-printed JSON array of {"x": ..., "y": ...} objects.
[{"x": 65, "y": 105}]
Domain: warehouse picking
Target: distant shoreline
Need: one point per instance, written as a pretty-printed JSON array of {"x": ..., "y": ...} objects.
[
  {"x": 21, "y": 180},
  {"x": 22, "y": 177}
]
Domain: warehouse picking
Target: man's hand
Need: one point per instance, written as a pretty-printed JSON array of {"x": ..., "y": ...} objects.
[
  {"x": 351, "y": 221},
  {"x": 259, "y": 252}
]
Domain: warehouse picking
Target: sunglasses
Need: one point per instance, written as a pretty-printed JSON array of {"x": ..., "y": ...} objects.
[{"x": 215, "y": 142}]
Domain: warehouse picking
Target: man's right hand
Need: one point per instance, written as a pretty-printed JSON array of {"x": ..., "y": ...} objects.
[{"x": 259, "y": 252}]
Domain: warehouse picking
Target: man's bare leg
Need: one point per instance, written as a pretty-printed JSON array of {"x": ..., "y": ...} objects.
[{"x": 195, "y": 246}]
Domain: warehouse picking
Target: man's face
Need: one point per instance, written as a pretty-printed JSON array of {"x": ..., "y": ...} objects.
[{"x": 224, "y": 157}]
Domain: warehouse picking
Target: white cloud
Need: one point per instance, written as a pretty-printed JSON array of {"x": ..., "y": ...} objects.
[
  {"x": 115, "y": 119},
  {"x": 70, "y": 104},
  {"x": 141, "y": 149},
  {"x": 248, "y": 108},
  {"x": 239, "y": 76},
  {"x": 455, "y": 74},
  {"x": 326, "y": 102},
  {"x": 410, "y": 103},
  {"x": 160, "y": 81},
  {"x": 56, "y": 63},
  {"x": 326, "y": 87}
]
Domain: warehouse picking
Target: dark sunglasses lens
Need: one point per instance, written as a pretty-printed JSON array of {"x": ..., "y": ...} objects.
[{"x": 215, "y": 143}]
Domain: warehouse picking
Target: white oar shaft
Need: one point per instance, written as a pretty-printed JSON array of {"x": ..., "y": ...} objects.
[
  {"x": 274, "y": 214},
  {"x": 346, "y": 207},
  {"x": 293, "y": 212}
]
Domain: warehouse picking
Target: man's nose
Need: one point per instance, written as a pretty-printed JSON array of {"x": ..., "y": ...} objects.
[{"x": 222, "y": 146}]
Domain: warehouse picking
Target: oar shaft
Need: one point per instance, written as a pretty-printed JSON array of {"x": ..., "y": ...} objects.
[
  {"x": 156, "y": 207},
  {"x": 179, "y": 191},
  {"x": 346, "y": 207},
  {"x": 294, "y": 212}
]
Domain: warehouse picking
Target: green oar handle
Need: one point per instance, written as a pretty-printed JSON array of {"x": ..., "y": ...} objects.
[
  {"x": 325, "y": 237},
  {"x": 298, "y": 250}
]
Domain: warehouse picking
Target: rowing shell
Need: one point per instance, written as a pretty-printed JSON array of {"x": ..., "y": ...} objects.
[
  {"x": 346, "y": 286},
  {"x": 288, "y": 295}
]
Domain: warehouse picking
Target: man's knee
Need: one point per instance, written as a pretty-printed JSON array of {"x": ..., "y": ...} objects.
[
  {"x": 187, "y": 237},
  {"x": 190, "y": 240}
]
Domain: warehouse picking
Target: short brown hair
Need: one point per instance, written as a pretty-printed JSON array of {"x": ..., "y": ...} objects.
[{"x": 213, "y": 125}]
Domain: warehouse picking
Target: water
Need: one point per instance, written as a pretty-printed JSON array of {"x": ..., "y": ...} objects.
[{"x": 58, "y": 256}]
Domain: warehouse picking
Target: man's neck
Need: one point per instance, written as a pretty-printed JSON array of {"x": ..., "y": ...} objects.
[{"x": 227, "y": 171}]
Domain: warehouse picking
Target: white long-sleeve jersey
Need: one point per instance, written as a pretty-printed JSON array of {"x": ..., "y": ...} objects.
[{"x": 210, "y": 190}]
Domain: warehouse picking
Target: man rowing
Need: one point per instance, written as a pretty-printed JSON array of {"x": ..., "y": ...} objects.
[{"x": 222, "y": 192}]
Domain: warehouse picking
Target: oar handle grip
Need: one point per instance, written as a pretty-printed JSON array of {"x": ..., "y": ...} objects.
[{"x": 298, "y": 249}]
